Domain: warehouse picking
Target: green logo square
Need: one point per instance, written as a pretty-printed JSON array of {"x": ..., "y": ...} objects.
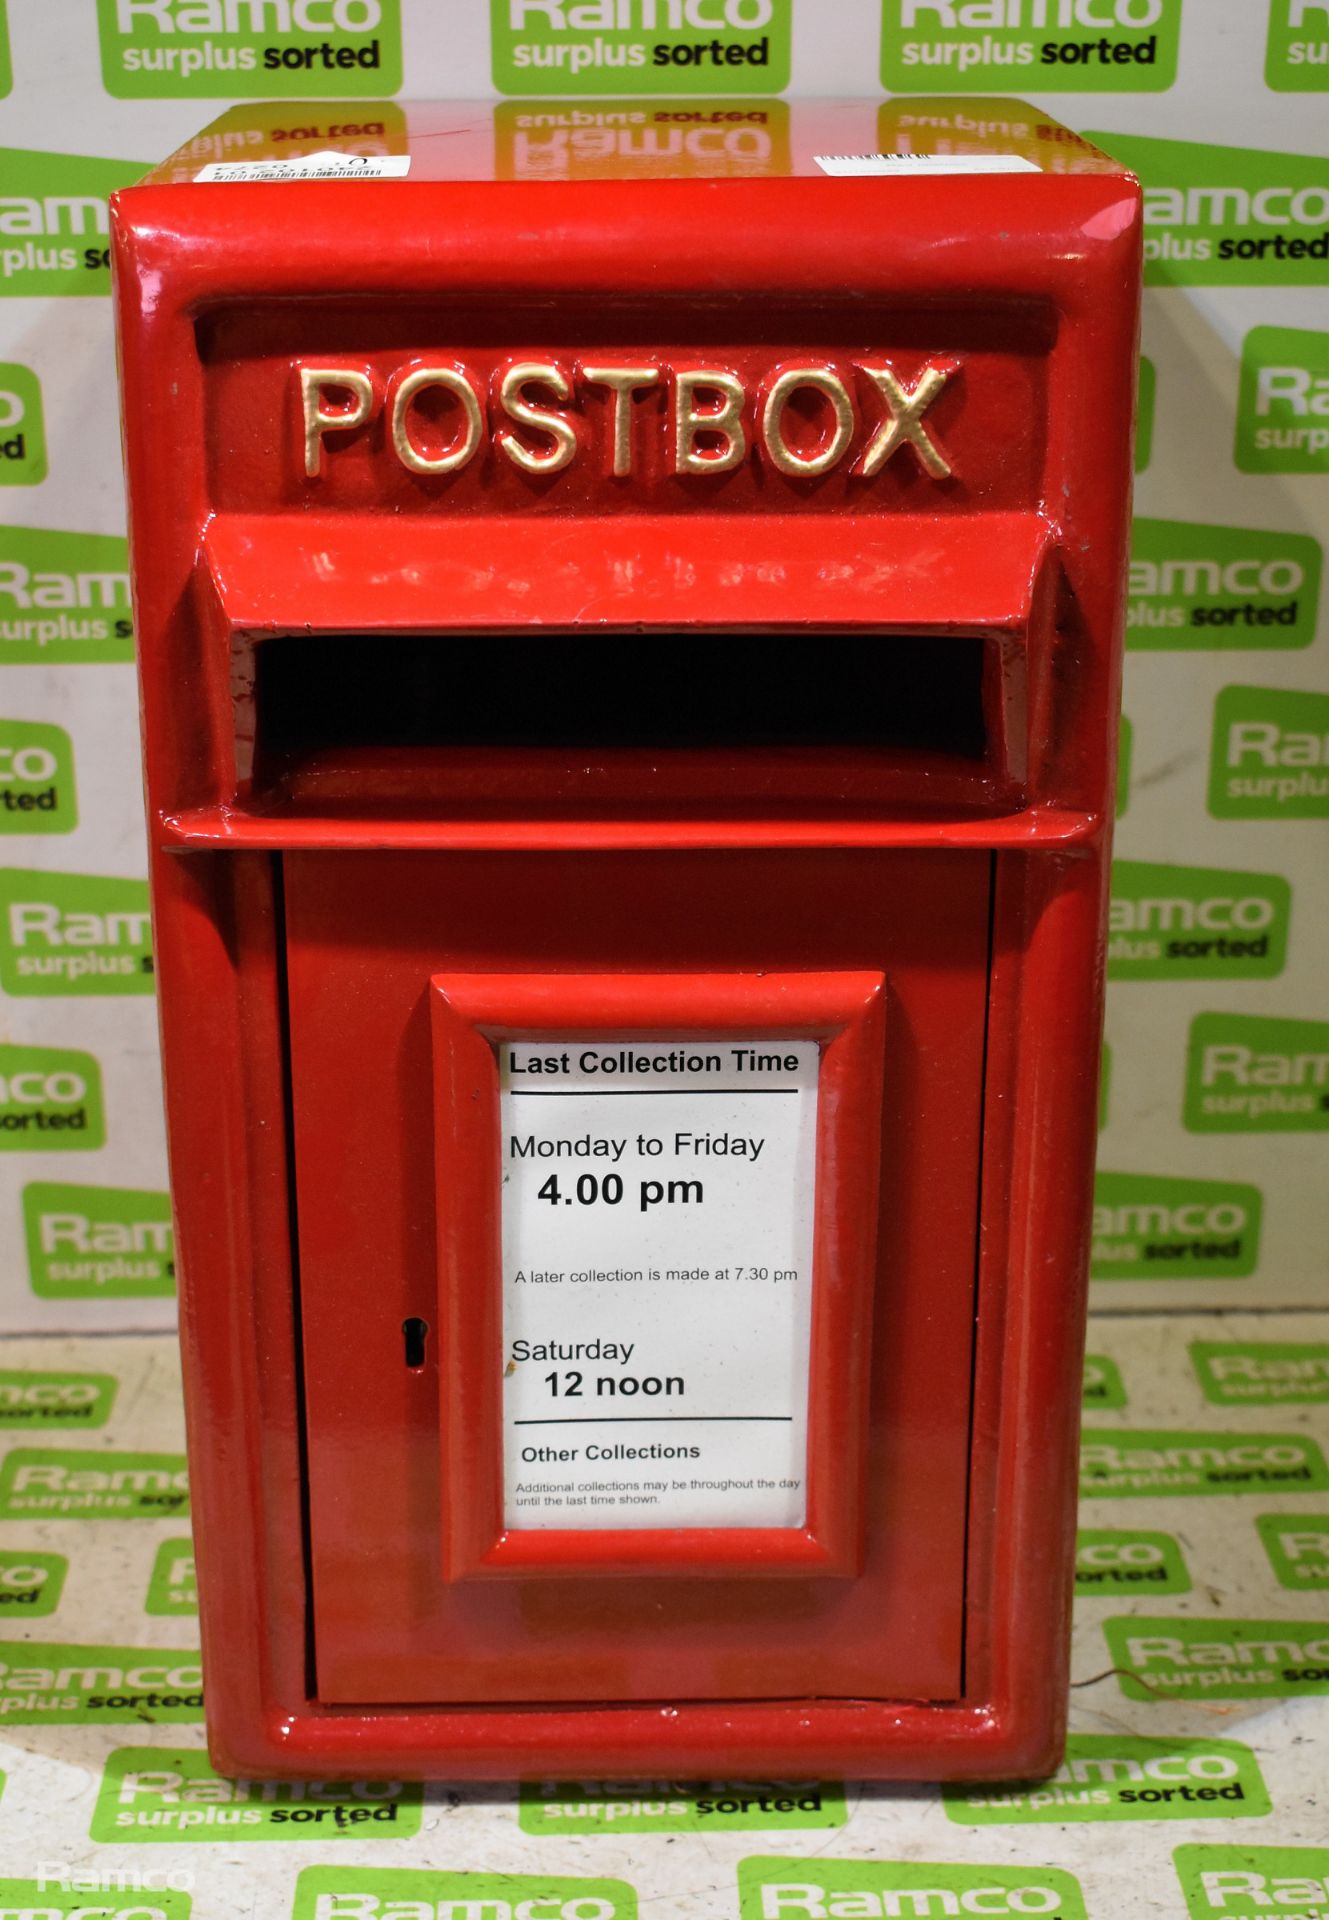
[
  {"x": 188, "y": 50},
  {"x": 50, "y": 1101},
  {"x": 552, "y": 1807},
  {"x": 74, "y": 934},
  {"x": 1249, "y": 1074},
  {"x": 29, "y": 1400},
  {"x": 1119, "y": 1463},
  {"x": 98, "y": 1243},
  {"x": 173, "y": 1586},
  {"x": 1261, "y": 1373},
  {"x": 1227, "y": 216},
  {"x": 1164, "y": 1660},
  {"x": 1104, "y": 1085},
  {"x": 1296, "y": 57},
  {"x": 637, "y": 46},
  {"x": 814, "y": 1887},
  {"x": 56, "y": 228},
  {"x": 76, "y": 1888},
  {"x": 1195, "y": 587},
  {"x": 1269, "y": 755},
  {"x": 36, "y": 778},
  {"x": 22, "y": 427},
  {"x": 1249, "y": 1883},
  {"x": 42, "y": 1685},
  {"x": 53, "y": 1483},
  {"x": 31, "y": 1584},
  {"x": 1298, "y": 1548},
  {"x": 64, "y": 598},
  {"x": 1152, "y": 1226},
  {"x": 1196, "y": 923},
  {"x": 1111, "y": 1561},
  {"x": 996, "y": 46},
  {"x": 1103, "y": 1384},
  {"x": 1113, "y": 1776},
  {"x": 396, "y": 1892},
  {"x": 172, "y": 1795},
  {"x": 1283, "y": 402},
  {"x": 1146, "y": 396}
]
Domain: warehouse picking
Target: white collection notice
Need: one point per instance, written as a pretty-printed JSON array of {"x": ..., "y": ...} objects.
[{"x": 657, "y": 1280}]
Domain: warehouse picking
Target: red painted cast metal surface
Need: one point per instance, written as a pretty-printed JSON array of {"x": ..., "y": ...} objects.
[
  {"x": 773, "y": 694},
  {"x": 385, "y": 1625}
]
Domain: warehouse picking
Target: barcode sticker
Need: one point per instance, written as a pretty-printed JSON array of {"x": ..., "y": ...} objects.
[
  {"x": 307, "y": 166},
  {"x": 923, "y": 163}
]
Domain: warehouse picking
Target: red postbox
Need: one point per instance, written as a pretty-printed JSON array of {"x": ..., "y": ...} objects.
[{"x": 630, "y": 644}]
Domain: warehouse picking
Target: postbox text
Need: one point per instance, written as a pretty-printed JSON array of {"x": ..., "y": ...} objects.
[{"x": 802, "y": 421}]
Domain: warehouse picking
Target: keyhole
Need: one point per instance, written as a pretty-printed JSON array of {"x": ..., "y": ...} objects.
[{"x": 415, "y": 1332}]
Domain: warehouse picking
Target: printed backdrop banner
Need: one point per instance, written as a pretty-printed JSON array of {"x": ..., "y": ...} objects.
[{"x": 1212, "y": 1189}]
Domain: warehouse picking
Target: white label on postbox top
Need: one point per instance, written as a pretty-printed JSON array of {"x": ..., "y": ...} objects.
[
  {"x": 657, "y": 1280},
  {"x": 328, "y": 165},
  {"x": 897, "y": 165}
]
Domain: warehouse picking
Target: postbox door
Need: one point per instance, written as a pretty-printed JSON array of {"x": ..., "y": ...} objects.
[{"x": 367, "y": 934}]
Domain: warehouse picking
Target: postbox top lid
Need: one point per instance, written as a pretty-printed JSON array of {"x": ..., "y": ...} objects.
[{"x": 283, "y": 142}]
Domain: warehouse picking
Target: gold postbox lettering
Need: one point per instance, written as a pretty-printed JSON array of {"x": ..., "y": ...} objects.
[
  {"x": 695, "y": 415},
  {"x": 623, "y": 382},
  {"x": 450, "y": 380},
  {"x": 902, "y": 425},
  {"x": 440, "y": 416},
  {"x": 511, "y": 393},
  {"x": 793, "y": 380},
  {"x": 317, "y": 386}
]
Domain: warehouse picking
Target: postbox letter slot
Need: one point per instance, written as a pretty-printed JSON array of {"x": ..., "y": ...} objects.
[{"x": 865, "y": 701}]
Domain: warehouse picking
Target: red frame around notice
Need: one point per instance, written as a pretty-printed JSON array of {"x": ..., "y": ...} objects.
[{"x": 470, "y": 1013}]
